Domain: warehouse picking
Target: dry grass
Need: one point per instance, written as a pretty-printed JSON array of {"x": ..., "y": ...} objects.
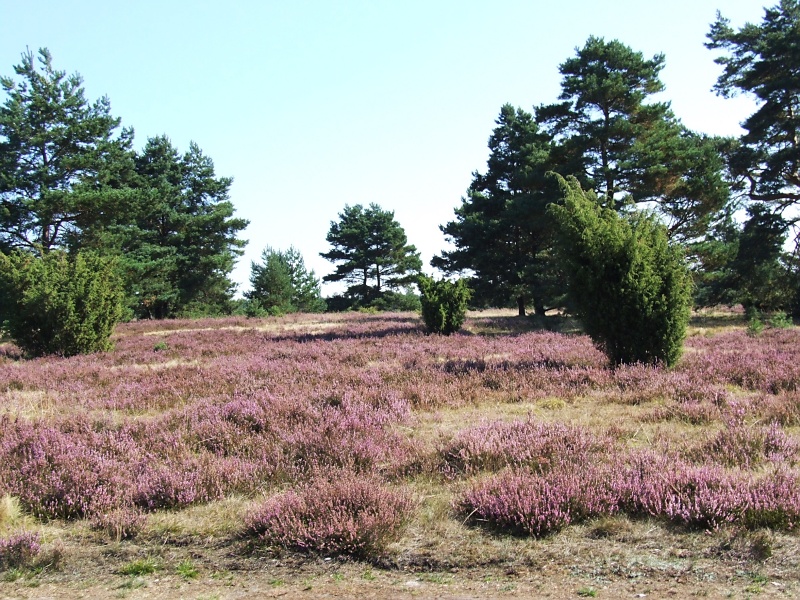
[
  {"x": 10, "y": 512},
  {"x": 28, "y": 404},
  {"x": 310, "y": 327},
  {"x": 219, "y": 519}
]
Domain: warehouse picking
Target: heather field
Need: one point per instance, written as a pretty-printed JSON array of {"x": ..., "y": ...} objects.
[{"x": 352, "y": 455}]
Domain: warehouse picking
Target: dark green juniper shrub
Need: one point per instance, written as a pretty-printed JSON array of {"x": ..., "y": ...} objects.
[
  {"x": 444, "y": 304},
  {"x": 630, "y": 287},
  {"x": 59, "y": 304}
]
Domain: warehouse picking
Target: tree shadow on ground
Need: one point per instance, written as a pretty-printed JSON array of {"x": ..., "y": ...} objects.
[{"x": 512, "y": 325}]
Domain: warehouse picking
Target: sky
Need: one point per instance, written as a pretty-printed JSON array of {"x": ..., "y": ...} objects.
[{"x": 311, "y": 105}]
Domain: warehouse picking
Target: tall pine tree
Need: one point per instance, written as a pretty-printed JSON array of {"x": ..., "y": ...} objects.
[
  {"x": 58, "y": 155},
  {"x": 371, "y": 253},
  {"x": 626, "y": 147},
  {"x": 502, "y": 233}
]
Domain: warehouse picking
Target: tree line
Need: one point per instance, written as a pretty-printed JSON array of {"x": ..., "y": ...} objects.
[
  {"x": 70, "y": 181},
  {"x": 162, "y": 222},
  {"x": 731, "y": 204}
]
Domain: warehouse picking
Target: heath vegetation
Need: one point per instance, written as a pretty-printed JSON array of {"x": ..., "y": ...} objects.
[{"x": 331, "y": 436}]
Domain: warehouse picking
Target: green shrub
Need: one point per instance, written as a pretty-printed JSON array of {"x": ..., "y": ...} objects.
[
  {"x": 780, "y": 320},
  {"x": 444, "y": 304},
  {"x": 245, "y": 307},
  {"x": 755, "y": 325},
  {"x": 391, "y": 301},
  {"x": 56, "y": 304},
  {"x": 630, "y": 287}
]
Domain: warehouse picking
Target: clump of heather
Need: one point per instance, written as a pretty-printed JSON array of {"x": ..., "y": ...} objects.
[
  {"x": 535, "y": 504},
  {"x": 238, "y": 405},
  {"x": 55, "y": 473},
  {"x": 694, "y": 388},
  {"x": 637, "y": 383},
  {"x": 536, "y": 445},
  {"x": 344, "y": 513},
  {"x": 19, "y": 550},
  {"x": 767, "y": 363},
  {"x": 783, "y": 408},
  {"x": 773, "y": 501},
  {"x": 80, "y": 467},
  {"x": 746, "y": 446},
  {"x": 178, "y": 484},
  {"x": 691, "y": 399},
  {"x": 704, "y": 496}
]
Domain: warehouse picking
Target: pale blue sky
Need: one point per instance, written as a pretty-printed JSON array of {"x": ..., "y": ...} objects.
[{"x": 311, "y": 105}]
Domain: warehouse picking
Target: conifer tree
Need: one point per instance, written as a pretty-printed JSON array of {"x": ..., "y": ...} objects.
[
  {"x": 502, "y": 233},
  {"x": 630, "y": 287},
  {"x": 371, "y": 252},
  {"x": 626, "y": 147}
]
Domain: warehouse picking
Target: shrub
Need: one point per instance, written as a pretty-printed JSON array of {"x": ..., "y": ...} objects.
[
  {"x": 755, "y": 324},
  {"x": 19, "y": 550},
  {"x": 57, "y": 304},
  {"x": 630, "y": 288},
  {"x": 739, "y": 445},
  {"x": 343, "y": 514},
  {"x": 444, "y": 304},
  {"x": 779, "y": 320},
  {"x": 531, "y": 444},
  {"x": 538, "y": 505},
  {"x": 706, "y": 496}
]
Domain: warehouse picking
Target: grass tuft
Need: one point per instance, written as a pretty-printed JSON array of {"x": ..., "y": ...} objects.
[{"x": 141, "y": 566}]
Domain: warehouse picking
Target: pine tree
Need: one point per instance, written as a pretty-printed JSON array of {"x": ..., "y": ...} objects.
[
  {"x": 502, "y": 232},
  {"x": 58, "y": 152},
  {"x": 280, "y": 283},
  {"x": 628, "y": 148},
  {"x": 372, "y": 253}
]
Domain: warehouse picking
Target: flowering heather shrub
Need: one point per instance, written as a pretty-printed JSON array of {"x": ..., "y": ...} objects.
[
  {"x": 740, "y": 445},
  {"x": 695, "y": 413},
  {"x": 78, "y": 467},
  {"x": 692, "y": 388},
  {"x": 19, "y": 550},
  {"x": 55, "y": 474},
  {"x": 695, "y": 496},
  {"x": 643, "y": 484},
  {"x": 534, "y": 504},
  {"x": 704, "y": 496},
  {"x": 773, "y": 501},
  {"x": 783, "y": 408},
  {"x": 353, "y": 436},
  {"x": 636, "y": 376},
  {"x": 344, "y": 513},
  {"x": 768, "y": 363},
  {"x": 535, "y": 445},
  {"x": 179, "y": 484},
  {"x": 235, "y": 405}
]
